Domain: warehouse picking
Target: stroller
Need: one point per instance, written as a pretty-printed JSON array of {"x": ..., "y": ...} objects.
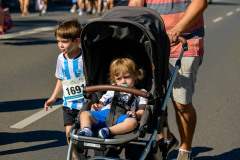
[{"x": 139, "y": 31}]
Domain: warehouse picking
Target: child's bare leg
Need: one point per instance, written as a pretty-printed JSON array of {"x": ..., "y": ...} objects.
[
  {"x": 67, "y": 128},
  {"x": 87, "y": 119},
  {"x": 127, "y": 125}
]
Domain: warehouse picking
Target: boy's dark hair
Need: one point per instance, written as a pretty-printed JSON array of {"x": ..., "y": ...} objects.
[{"x": 70, "y": 29}]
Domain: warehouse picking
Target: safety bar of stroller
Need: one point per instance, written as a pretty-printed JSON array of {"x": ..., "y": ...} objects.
[{"x": 118, "y": 88}]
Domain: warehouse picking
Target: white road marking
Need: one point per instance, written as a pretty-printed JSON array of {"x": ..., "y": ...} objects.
[
  {"x": 229, "y": 13},
  {"x": 32, "y": 31},
  {"x": 23, "y": 33},
  {"x": 238, "y": 9},
  {"x": 33, "y": 118},
  {"x": 217, "y": 19}
]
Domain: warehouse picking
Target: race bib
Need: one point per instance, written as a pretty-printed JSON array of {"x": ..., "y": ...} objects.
[{"x": 73, "y": 88}]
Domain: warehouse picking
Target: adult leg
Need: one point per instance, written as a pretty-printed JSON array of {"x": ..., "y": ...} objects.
[
  {"x": 172, "y": 142},
  {"x": 99, "y": 5},
  {"x": 182, "y": 100},
  {"x": 89, "y": 6},
  {"x": 74, "y": 6},
  {"x": 111, "y": 3},
  {"x": 26, "y": 6},
  {"x": 181, "y": 95},
  {"x": 169, "y": 135},
  {"x": 22, "y": 7},
  {"x": 45, "y": 5},
  {"x": 186, "y": 118},
  {"x": 81, "y": 7}
]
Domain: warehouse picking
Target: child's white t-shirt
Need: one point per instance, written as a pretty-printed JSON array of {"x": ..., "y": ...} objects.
[
  {"x": 68, "y": 69},
  {"x": 108, "y": 96}
]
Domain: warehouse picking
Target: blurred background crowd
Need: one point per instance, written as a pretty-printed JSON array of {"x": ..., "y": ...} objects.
[{"x": 78, "y": 6}]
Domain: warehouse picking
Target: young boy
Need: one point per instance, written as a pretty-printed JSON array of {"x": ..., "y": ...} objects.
[{"x": 69, "y": 72}]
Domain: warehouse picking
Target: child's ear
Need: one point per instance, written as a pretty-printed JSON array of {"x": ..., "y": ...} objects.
[{"x": 77, "y": 40}]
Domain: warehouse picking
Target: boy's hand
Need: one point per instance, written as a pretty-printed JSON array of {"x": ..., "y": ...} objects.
[
  {"x": 96, "y": 107},
  {"x": 49, "y": 103},
  {"x": 132, "y": 113}
]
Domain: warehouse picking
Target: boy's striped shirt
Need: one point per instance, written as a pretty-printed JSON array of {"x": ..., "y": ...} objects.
[{"x": 67, "y": 69}]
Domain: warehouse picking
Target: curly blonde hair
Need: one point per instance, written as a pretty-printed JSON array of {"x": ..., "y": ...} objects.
[{"x": 124, "y": 64}]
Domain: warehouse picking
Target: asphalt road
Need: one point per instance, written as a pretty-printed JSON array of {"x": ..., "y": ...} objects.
[{"x": 28, "y": 60}]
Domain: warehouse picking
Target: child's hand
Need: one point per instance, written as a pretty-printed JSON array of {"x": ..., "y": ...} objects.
[
  {"x": 49, "y": 103},
  {"x": 132, "y": 113},
  {"x": 96, "y": 107}
]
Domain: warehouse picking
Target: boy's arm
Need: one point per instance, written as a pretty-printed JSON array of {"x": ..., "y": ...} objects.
[{"x": 58, "y": 89}]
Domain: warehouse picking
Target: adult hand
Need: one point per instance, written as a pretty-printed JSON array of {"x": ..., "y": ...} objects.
[
  {"x": 173, "y": 35},
  {"x": 49, "y": 103}
]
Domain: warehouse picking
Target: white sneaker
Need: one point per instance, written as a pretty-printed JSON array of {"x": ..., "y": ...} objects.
[
  {"x": 44, "y": 11},
  {"x": 72, "y": 10},
  {"x": 80, "y": 13},
  {"x": 93, "y": 11}
]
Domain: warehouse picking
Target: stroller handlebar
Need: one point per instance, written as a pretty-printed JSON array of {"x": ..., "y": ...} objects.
[
  {"x": 182, "y": 40},
  {"x": 184, "y": 43},
  {"x": 117, "y": 88}
]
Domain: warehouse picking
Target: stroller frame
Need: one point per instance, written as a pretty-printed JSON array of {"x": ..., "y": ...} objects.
[{"x": 151, "y": 145}]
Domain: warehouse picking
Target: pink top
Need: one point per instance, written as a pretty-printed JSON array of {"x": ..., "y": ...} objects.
[{"x": 171, "y": 11}]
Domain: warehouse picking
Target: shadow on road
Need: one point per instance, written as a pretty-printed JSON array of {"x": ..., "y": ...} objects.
[
  {"x": 28, "y": 42},
  {"x": 22, "y": 105},
  {"x": 231, "y": 155},
  {"x": 58, "y": 138},
  {"x": 31, "y": 24}
]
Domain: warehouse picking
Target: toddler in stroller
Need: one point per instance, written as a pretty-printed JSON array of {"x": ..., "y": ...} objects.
[
  {"x": 139, "y": 32},
  {"x": 123, "y": 72}
]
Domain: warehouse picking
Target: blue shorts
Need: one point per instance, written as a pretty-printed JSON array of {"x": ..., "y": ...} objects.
[{"x": 101, "y": 117}]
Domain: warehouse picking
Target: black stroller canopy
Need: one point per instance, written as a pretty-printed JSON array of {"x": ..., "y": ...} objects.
[{"x": 134, "y": 32}]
